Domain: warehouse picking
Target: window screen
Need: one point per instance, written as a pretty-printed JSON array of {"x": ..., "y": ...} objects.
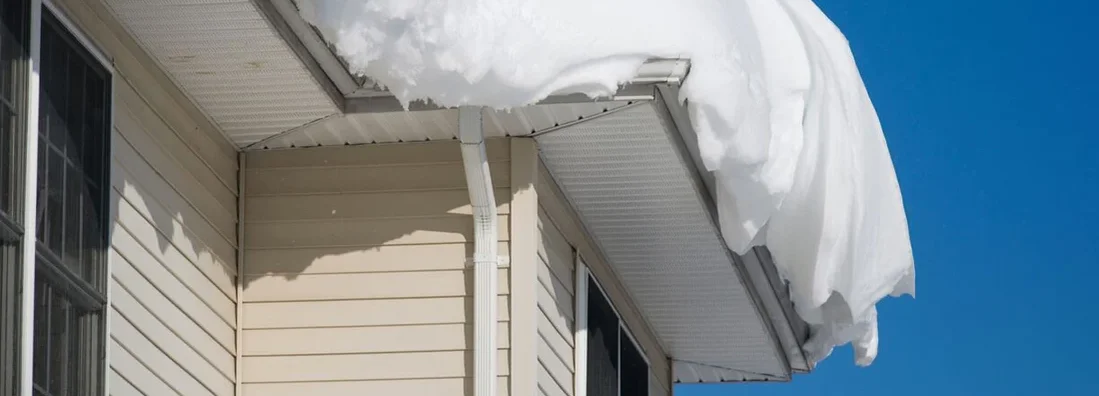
[
  {"x": 635, "y": 372},
  {"x": 602, "y": 344},
  {"x": 72, "y": 132},
  {"x": 615, "y": 365},
  {"x": 73, "y": 128}
]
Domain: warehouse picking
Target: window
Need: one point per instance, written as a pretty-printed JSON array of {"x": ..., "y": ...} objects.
[
  {"x": 614, "y": 364},
  {"x": 70, "y": 263},
  {"x": 71, "y": 207},
  {"x": 14, "y": 37}
]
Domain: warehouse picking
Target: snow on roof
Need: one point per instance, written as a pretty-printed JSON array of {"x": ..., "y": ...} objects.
[{"x": 783, "y": 118}]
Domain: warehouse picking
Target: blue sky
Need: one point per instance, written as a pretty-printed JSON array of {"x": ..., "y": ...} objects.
[{"x": 989, "y": 109}]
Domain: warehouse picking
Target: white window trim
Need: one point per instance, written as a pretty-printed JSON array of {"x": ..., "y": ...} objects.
[
  {"x": 30, "y": 199},
  {"x": 30, "y": 202},
  {"x": 580, "y": 342}
]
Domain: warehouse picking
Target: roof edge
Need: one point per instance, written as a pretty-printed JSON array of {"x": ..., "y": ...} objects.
[
  {"x": 757, "y": 267},
  {"x": 306, "y": 47},
  {"x": 655, "y": 72},
  {"x": 329, "y": 71}
]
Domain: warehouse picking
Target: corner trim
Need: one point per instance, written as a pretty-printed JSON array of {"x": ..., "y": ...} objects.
[
  {"x": 524, "y": 264},
  {"x": 238, "y": 351},
  {"x": 580, "y": 334}
]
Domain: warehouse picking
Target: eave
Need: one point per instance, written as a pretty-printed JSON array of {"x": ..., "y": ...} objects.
[{"x": 307, "y": 98}]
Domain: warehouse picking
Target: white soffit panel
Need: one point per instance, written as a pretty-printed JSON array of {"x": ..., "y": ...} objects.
[
  {"x": 226, "y": 56},
  {"x": 637, "y": 196},
  {"x": 425, "y": 125}
]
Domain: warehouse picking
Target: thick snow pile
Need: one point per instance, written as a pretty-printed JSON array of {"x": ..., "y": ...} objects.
[{"x": 784, "y": 120}]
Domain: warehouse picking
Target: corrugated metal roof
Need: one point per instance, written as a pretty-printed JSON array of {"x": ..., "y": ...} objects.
[
  {"x": 230, "y": 60},
  {"x": 637, "y": 193}
]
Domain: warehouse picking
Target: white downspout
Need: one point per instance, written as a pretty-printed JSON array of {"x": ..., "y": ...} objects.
[{"x": 482, "y": 198}]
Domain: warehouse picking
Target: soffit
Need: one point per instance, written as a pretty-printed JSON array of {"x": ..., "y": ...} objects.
[
  {"x": 639, "y": 197},
  {"x": 231, "y": 61}
]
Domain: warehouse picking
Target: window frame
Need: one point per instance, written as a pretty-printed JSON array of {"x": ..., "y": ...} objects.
[
  {"x": 583, "y": 294},
  {"x": 29, "y": 249},
  {"x": 16, "y": 44}
]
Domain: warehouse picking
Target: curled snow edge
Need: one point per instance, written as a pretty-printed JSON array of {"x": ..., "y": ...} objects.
[{"x": 784, "y": 119}]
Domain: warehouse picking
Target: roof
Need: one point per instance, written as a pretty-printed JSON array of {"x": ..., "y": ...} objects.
[{"x": 269, "y": 82}]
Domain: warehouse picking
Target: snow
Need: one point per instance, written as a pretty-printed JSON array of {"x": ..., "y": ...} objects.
[{"x": 783, "y": 118}]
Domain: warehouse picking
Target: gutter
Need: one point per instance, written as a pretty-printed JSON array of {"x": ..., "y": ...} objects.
[
  {"x": 483, "y": 200},
  {"x": 655, "y": 72},
  {"x": 662, "y": 71}
]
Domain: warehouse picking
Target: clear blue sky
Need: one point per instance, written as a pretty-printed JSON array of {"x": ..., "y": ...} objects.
[{"x": 989, "y": 108}]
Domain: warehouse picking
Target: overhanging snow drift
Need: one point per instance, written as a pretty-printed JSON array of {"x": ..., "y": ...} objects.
[{"x": 783, "y": 119}]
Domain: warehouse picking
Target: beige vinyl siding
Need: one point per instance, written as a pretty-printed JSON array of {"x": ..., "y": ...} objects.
[
  {"x": 172, "y": 315},
  {"x": 556, "y": 309},
  {"x": 357, "y": 273},
  {"x": 561, "y": 233}
]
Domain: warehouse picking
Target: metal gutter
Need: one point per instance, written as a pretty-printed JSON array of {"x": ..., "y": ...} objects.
[
  {"x": 796, "y": 333},
  {"x": 483, "y": 200},
  {"x": 308, "y": 44},
  {"x": 653, "y": 73},
  {"x": 662, "y": 71},
  {"x": 388, "y": 104}
]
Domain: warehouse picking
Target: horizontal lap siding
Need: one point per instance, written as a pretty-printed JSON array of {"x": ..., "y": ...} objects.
[
  {"x": 357, "y": 276},
  {"x": 173, "y": 268},
  {"x": 173, "y": 249},
  {"x": 561, "y": 232},
  {"x": 556, "y": 310}
]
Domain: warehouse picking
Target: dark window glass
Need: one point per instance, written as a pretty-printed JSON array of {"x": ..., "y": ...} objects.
[
  {"x": 67, "y": 354},
  {"x": 10, "y": 287},
  {"x": 616, "y": 367},
  {"x": 635, "y": 372},
  {"x": 602, "y": 344},
  {"x": 14, "y": 37},
  {"x": 70, "y": 275},
  {"x": 73, "y": 131}
]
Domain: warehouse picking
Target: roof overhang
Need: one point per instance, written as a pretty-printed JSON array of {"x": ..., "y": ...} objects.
[
  {"x": 721, "y": 317},
  {"x": 383, "y": 119},
  {"x": 634, "y": 178},
  {"x": 260, "y": 72}
]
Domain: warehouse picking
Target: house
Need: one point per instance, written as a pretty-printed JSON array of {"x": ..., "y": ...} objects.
[{"x": 222, "y": 209}]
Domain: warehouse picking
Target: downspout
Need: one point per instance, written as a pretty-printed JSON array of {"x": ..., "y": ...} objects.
[{"x": 483, "y": 200}]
